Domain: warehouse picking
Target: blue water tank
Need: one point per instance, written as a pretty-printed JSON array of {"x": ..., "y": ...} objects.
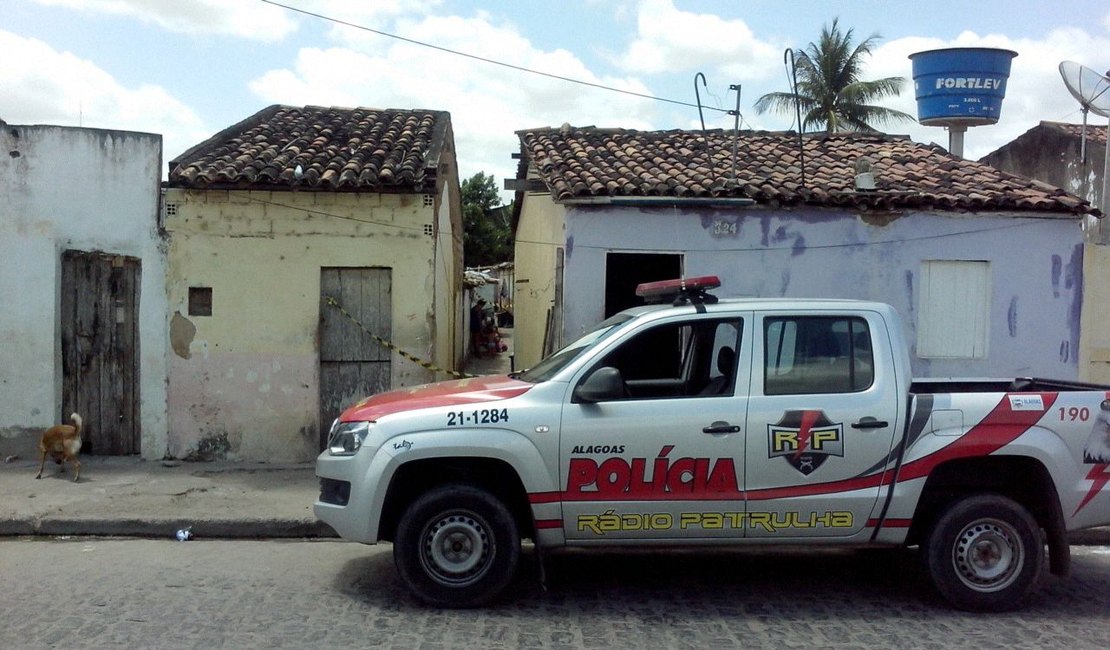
[{"x": 961, "y": 86}]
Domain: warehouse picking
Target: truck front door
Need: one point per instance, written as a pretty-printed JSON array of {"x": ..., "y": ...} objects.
[
  {"x": 821, "y": 424},
  {"x": 662, "y": 457}
]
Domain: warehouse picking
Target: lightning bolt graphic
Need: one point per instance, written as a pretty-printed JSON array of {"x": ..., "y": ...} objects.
[
  {"x": 805, "y": 431},
  {"x": 1099, "y": 477}
]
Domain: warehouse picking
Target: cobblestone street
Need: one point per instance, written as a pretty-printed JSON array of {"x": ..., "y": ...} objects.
[{"x": 96, "y": 593}]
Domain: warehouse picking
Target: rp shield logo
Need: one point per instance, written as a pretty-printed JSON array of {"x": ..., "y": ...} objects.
[{"x": 805, "y": 439}]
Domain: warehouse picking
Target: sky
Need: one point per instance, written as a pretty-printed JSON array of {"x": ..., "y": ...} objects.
[{"x": 187, "y": 69}]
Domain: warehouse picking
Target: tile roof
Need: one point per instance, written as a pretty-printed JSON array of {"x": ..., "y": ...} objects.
[
  {"x": 319, "y": 148},
  {"x": 1096, "y": 134},
  {"x": 586, "y": 162}
]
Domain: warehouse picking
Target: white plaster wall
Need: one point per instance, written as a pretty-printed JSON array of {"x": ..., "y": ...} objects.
[
  {"x": 250, "y": 371},
  {"x": 85, "y": 189},
  {"x": 1036, "y": 269}
]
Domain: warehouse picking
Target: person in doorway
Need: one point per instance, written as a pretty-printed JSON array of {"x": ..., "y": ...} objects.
[{"x": 476, "y": 317}]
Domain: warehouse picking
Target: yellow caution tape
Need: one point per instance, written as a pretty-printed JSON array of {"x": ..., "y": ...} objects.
[{"x": 418, "y": 361}]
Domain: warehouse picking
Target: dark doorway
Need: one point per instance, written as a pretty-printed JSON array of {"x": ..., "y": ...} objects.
[
  {"x": 623, "y": 271},
  {"x": 100, "y": 349}
]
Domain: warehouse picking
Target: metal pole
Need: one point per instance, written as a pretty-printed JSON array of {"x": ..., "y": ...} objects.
[
  {"x": 956, "y": 140},
  {"x": 1105, "y": 189},
  {"x": 1106, "y": 175}
]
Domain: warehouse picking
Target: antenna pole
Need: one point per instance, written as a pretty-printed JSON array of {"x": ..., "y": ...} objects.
[
  {"x": 736, "y": 128},
  {"x": 792, "y": 70},
  {"x": 1106, "y": 175},
  {"x": 697, "y": 95}
]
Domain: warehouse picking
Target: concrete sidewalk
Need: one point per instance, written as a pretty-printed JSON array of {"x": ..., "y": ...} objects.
[
  {"x": 154, "y": 499},
  {"x": 131, "y": 497}
]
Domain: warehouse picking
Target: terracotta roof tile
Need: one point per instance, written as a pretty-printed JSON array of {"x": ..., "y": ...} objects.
[
  {"x": 319, "y": 148},
  {"x": 592, "y": 162},
  {"x": 1096, "y": 133}
]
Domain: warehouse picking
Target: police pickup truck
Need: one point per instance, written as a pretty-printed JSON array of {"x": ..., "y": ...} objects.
[{"x": 706, "y": 422}]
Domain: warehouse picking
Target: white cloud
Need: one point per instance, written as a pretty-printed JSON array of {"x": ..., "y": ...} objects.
[
  {"x": 670, "y": 40},
  {"x": 487, "y": 102},
  {"x": 241, "y": 18},
  {"x": 44, "y": 86}
]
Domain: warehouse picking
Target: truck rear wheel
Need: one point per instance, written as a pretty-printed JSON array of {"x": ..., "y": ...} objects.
[
  {"x": 985, "y": 553},
  {"x": 456, "y": 546}
]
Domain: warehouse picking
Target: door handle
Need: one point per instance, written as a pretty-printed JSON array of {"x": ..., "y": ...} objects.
[
  {"x": 721, "y": 427},
  {"x": 869, "y": 422}
]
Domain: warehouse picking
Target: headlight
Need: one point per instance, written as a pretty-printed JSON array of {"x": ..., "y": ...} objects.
[{"x": 346, "y": 437}]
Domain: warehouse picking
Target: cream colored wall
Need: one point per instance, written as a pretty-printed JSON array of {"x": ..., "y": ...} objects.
[
  {"x": 245, "y": 380},
  {"x": 540, "y": 231},
  {"x": 1094, "y": 334},
  {"x": 448, "y": 269}
]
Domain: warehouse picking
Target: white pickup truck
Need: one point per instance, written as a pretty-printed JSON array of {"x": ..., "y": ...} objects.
[{"x": 708, "y": 422}]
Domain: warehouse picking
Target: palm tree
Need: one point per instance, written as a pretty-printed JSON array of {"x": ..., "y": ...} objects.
[{"x": 829, "y": 90}]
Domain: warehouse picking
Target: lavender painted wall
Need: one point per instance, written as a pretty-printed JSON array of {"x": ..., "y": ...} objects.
[{"x": 1035, "y": 269}]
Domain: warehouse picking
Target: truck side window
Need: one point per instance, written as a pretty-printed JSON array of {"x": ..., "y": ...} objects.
[
  {"x": 812, "y": 355},
  {"x": 690, "y": 359}
]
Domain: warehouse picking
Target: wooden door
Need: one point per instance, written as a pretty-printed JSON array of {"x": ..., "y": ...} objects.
[
  {"x": 352, "y": 364},
  {"x": 100, "y": 349}
]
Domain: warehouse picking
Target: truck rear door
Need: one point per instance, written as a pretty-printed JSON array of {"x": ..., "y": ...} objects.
[{"x": 822, "y": 418}]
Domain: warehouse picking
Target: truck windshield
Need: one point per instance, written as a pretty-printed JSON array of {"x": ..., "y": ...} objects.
[{"x": 550, "y": 366}]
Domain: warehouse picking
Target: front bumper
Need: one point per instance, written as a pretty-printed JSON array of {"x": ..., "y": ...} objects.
[{"x": 347, "y": 496}]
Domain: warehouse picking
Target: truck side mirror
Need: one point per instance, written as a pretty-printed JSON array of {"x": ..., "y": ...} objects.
[{"x": 603, "y": 384}]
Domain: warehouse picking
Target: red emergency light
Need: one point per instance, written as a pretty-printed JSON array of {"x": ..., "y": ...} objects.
[{"x": 682, "y": 290}]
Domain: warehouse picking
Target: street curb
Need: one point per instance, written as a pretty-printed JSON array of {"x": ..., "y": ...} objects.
[
  {"x": 1090, "y": 537},
  {"x": 155, "y": 529},
  {"x": 264, "y": 529}
]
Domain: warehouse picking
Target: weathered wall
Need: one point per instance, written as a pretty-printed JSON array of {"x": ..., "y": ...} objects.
[
  {"x": 245, "y": 380},
  {"x": 1055, "y": 157},
  {"x": 1095, "y": 341},
  {"x": 449, "y": 311},
  {"x": 1035, "y": 268},
  {"x": 74, "y": 188},
  {"x": 540, "y": 232}
]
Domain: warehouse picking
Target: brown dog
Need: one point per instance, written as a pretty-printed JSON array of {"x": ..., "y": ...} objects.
[{"x": 62, "y": 442}]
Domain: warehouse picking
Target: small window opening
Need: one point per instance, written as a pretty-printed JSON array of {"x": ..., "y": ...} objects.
[{"x": 200, "y": 301}]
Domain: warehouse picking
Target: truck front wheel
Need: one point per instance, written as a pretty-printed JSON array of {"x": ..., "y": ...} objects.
[
  {"x": 985, "y": 553},
  {"x": 456, "y": 546}
]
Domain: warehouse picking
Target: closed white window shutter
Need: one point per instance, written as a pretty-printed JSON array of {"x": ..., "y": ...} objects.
[{"x": 953, "y": 309}]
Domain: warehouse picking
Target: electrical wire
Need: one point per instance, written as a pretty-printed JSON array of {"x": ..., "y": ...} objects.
[{"x": 483, "y": 59}]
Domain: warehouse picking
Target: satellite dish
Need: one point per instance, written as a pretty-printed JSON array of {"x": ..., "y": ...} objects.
[{"x": 1091, "y": 89}]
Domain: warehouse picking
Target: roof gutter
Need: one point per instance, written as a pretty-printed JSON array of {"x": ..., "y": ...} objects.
[{"x": 660, "y": 201}]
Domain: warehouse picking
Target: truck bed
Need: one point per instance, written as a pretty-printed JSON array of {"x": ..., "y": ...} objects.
[{"x": 1003, "y": 385}]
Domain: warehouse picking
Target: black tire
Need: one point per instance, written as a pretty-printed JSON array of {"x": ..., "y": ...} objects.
[
  {"x": 456, "y": 546},
  {"x": 985, "y": 553}
]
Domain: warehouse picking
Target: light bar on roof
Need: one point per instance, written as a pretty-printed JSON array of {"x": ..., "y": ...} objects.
[{"x": 682, "y": 287}]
